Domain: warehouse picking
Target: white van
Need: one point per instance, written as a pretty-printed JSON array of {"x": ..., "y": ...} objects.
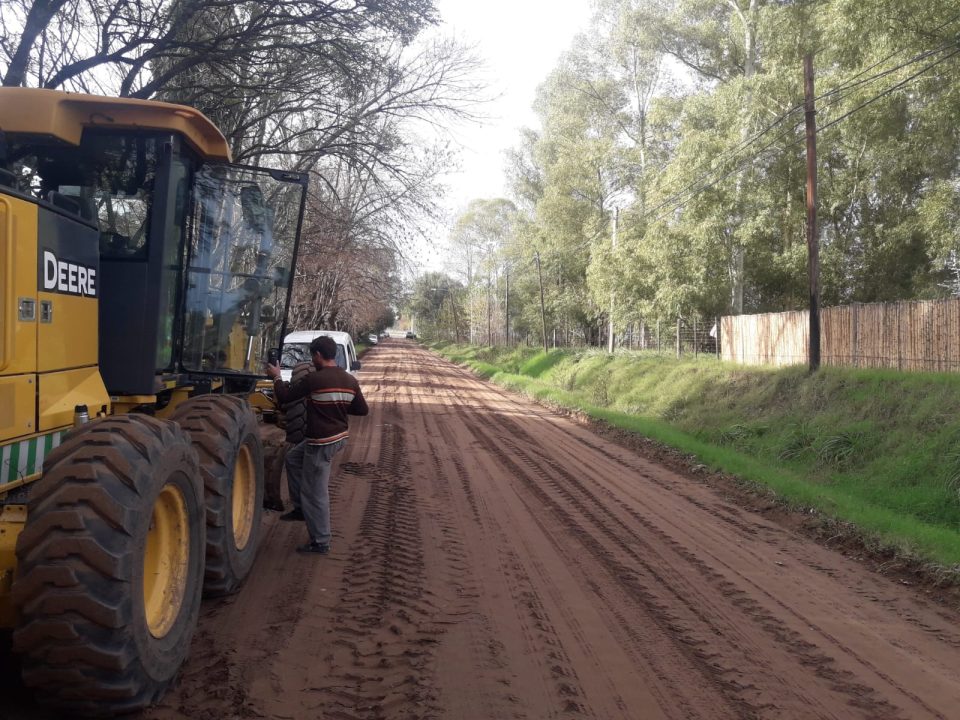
[{"x": 296, "y": 350}]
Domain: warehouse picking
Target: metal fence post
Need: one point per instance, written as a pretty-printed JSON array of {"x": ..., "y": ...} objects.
[{"x": 719, "y": 356}]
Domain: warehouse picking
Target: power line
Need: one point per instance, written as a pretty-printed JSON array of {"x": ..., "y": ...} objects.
[
  {"x": 736, "y": 168},
  {"x": 838, "y": 91},
  {"x": 703, "y": 187},
  {"x": 850, "y": 83},
  {"x": 890, "y": 90}
]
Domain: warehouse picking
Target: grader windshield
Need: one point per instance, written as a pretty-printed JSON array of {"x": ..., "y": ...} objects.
[{"x": 241, "y": 246}]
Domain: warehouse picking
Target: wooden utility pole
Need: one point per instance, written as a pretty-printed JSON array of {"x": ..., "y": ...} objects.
[
  {"x": 813, "y": 239},
  {"x": 506, "y": 308},
  {"x": 616, "y": 217},
  {"x": 489, "y": 314},
  {"x": 543, "y": 311},
  {"x": 456, "y": 320}
]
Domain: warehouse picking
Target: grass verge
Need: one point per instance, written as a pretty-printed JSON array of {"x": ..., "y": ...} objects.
[{"x": 877, "y": 449}]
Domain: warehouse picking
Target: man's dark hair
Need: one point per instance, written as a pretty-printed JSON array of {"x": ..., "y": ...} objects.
[{"x": 324, "y": 345}]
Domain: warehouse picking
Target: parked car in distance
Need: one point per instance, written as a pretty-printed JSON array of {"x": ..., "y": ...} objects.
[
  {"x": 373, "y": 338},
  {"x": 410, "y": 335},
  {"x": 296, "y": 349}
]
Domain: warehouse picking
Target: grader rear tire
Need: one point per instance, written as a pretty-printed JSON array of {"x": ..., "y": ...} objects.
[
  {"x": 225, "y": 435},
  {"x": 111, "y": 566}
]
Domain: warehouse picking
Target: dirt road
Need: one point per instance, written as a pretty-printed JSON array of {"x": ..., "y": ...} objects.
[{"x": 492, "y": 559}]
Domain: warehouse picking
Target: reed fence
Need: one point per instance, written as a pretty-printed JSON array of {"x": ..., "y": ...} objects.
[{"x": 913, "y": 335}]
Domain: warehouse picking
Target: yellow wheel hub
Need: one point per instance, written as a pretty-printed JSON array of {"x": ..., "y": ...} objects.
[
  {"x": 244, "y": 497},
  {"x": 166, "y": 561}
]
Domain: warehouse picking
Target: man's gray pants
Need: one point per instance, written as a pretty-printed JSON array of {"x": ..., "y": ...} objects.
[{"x": 308, "y": 476}]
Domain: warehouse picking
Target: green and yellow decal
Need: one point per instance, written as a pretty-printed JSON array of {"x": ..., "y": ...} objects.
[{"x": 22, "y": 460}]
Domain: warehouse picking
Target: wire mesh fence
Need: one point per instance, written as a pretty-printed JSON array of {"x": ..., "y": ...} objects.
[{"x": 682, "y": 337}]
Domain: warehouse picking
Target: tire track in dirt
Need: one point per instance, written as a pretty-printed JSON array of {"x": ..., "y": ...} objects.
[
  {"x": 562, "y": 671},
  {"x": 460, "y": 471},
  {"x": 689, "y": 626},
  {"x": 472, "y": 631},
  {"x": 380, "y": 655},
  {"x": 808, "y": 653},
  {"x": 659, "y": 649},
  {"x": 529, "y": 619},
  {"x": 812, "y": 654},
  {"x": 460, "y": 588},
  {"x": 541, "y": 640}
]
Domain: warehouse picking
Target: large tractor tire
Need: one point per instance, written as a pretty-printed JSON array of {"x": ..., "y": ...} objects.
[
  {"x": 295, "y": 413},
  {"x": 225, "y": 435},
  {"x": 111, "y": 566}
]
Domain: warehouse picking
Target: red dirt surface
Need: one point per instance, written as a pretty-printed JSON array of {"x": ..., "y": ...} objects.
[{"x": 494, "y": 559}]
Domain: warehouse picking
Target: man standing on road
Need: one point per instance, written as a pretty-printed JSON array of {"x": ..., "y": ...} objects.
[{"x": 331, "y": 394}]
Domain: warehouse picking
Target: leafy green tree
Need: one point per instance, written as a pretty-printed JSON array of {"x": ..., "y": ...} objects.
[{"x": 437, "y": 303}]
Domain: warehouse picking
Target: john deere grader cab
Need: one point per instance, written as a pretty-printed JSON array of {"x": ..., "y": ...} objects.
[{"x": 143, "y": 279}]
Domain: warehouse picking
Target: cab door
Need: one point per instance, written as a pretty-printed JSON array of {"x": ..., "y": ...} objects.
[
  {"x": 18, "y": 316},
  {"x": 68, "y": 279}
]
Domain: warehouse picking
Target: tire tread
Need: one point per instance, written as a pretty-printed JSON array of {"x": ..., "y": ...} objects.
[{"x": 75, "y": 557}]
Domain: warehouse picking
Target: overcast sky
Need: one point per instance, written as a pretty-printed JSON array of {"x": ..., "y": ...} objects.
[{"x": 520, "y": 41}]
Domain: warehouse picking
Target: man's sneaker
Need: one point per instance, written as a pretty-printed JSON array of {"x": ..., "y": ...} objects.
[
  {"x": 295, "y": 514},
  {"x": 314, "y": 547}
]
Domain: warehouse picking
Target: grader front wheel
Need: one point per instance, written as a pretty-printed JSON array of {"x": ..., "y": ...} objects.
[
  {"x": 111, "y": 566},
  {"x": 224, "y": 432}
]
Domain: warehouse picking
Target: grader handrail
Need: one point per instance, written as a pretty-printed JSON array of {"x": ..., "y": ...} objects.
[{"x": 8, "y": 304}]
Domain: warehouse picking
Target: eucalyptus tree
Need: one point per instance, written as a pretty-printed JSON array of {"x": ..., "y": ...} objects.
[
  {"x": 480, "y": 239},
  {"x": 891, "y": 170},
  {"x": 571, "y": 171},
  {"x": 478, "y": 233}
]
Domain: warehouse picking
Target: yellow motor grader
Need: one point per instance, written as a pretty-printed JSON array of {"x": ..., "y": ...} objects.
[{"x": 143, "y": 280}]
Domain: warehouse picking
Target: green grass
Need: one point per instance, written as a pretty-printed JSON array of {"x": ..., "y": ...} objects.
[{"x": 880, "y": 449}]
